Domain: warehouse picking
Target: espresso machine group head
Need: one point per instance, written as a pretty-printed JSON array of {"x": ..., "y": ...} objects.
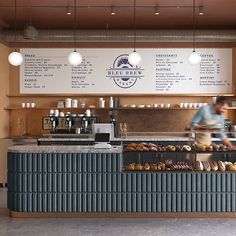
[
  {"x": 69, "y": 122},
  {"x": 54, "y": 123}
]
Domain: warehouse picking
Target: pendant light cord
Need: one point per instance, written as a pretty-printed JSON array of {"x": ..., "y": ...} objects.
[
  {"x": 75, "y": 25},
  {"x": 15, "y": 23},
  {"x": 134, "y": 25},
  {"x": 194, "y": 26}
]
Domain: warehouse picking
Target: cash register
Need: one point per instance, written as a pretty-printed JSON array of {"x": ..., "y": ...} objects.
[{"x": 102, "y": 140}]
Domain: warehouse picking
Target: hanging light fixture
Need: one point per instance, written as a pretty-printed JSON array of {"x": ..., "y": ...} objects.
[
  {"x": 15, "y": 58},
  {"x": 68, "y": 10},
  {"x": 134, "y": 57},
  {"x": 194, "y": 57},
  {"x": 113, "y": 12},
  {"x": 75, "y": 57},
  {"x": 157, "y": 12},
  {"x": 201, "y": 11},
  {"x": 30, "y": 32}
]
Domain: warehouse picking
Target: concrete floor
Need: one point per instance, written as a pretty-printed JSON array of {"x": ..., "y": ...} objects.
[{"x": 112, "y": 227}]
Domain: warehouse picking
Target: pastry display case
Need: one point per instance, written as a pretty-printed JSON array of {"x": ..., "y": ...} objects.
[{"x": 176, "y": 151}]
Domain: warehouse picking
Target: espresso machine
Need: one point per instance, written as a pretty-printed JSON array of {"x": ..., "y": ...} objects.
[{"x": 70, "y": 124}]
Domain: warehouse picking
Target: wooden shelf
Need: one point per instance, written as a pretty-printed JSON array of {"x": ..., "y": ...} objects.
[
  {"x": 120, "y": 95},
  {"x": 96, "y": 108},
  {"x": 120, "y": 108}
]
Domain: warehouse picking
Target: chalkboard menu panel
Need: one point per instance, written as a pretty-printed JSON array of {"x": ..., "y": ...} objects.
[{"x": 107, "y": 71}]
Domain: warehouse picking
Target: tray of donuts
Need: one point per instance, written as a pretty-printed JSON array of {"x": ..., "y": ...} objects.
[
  {"x": 215, "y": 166},
  {"x": 151, "y": 147},
  {"x": 210, "y": 148},
  {"x": 168, "y": 165}
]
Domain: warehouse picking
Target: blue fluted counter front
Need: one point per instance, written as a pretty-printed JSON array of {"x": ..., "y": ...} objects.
[{"x": 89, "y": 181}]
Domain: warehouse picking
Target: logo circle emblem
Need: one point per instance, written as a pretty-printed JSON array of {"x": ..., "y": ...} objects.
[{"x": 125, "y": 79}]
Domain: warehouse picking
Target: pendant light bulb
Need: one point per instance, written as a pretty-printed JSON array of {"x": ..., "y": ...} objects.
[
  {"x": 194, "y": 58},
  {"x": 75, "y": 58},
  {"x": 134, "y": 58},
  {"x": 15, "y": 58}
]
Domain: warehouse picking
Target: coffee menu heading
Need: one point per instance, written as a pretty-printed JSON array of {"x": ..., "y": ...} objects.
[{"x": 107, "y": 71}]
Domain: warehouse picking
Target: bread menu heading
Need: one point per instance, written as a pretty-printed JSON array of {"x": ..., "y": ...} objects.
[{"x": 107, "y": 71}]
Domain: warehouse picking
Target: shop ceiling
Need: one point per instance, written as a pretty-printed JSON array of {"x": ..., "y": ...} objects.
[{"x": 94, "y": 14}]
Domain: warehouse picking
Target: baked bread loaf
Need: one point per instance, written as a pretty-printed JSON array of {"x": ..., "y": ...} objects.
[
  {"x": 214, "y": 166},
  {"x": 130, "y": 149},
  {"x": 199, "y": 166},
  {"x": 221, "y": 165},
  {"x": 231, "y": 167},
  {"x": 153, "y": 149},
  {"x": 206, "y": 165},
  {"x": 145, "y": 149},
  {"x": 150, "y": 145},
  {"x": 168, "y": 163}
]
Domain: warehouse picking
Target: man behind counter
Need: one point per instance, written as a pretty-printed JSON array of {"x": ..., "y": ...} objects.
[{"x": 211, "y": 116}]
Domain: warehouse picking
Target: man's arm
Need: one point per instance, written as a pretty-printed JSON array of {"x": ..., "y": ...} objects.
[{"x": 197, "y": 119}]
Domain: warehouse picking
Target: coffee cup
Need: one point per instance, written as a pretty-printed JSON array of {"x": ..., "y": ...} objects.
[
  {"x": 28, "y": 104},
  {"x": 61, "y": 114},
  {"x": 23, "y": 104},
  {"x": 32, "y": 104}
]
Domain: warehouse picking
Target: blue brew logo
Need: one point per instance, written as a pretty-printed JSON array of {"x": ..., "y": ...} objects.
[{"x": 123, "y": 73}]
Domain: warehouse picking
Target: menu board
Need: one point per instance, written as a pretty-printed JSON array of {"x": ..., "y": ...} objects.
[{"x": 107, "y": 71}]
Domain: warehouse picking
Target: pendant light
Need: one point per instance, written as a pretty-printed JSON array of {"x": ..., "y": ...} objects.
[
  {"x": 134, "y": 57},
  {"x": 194, "y": 57},
  {"x": 74, "y": 57},
  {"x": 15, "y": 58}
]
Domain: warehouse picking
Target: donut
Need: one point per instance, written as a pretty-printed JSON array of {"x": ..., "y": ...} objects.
[
  {"x": 138, "y": 167},
  {"x": 146, "y": 166},
  {"x": 153, "y": 166},
  {"x": 209, "y": 148},
  {"x": 131, "y": 166},
  {"x": 179, "y": 148},
  {"x": 187, "y": 148},
  {"x": 161, "y": 166}
]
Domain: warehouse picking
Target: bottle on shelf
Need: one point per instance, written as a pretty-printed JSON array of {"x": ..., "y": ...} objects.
[
  {"x": 111, "y": 104},
  {"x": 124, "y": 130}
]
